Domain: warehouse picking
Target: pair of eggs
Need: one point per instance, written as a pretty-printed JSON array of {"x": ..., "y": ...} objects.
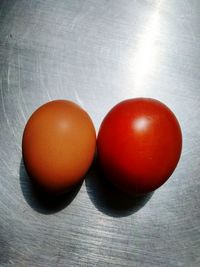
[{"x": 138, "y": 145}]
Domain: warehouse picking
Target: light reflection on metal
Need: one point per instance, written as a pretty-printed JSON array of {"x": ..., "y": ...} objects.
[{"x": 145, "y": 56}]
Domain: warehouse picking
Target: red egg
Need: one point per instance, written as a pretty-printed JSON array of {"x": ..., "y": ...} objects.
[
  {"x": 139, "y": 145},
  {"x": 58, "y": 145}
]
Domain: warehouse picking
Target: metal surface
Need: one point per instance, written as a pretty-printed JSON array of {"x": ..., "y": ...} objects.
[{"x": 97, "y": 53}]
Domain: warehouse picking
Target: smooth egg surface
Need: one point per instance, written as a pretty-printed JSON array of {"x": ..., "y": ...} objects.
[{"x": 58, "y": 145}]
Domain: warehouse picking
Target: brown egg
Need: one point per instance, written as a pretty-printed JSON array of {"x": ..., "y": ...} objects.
[{"x": 58, "y": 145}]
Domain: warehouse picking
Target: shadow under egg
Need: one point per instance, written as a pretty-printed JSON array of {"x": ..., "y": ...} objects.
[
  {"x": 41, "y": 200},
  {"x": 109, "y": 199}
]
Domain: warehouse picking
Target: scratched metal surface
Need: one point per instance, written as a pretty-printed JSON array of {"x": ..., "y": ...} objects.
[{"x": 97, "y": 53}]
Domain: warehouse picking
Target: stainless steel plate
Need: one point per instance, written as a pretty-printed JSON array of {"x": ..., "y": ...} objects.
[{"x": 98, "y": 53}]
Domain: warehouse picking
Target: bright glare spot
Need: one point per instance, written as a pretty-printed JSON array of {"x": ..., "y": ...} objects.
[
  {"x": 141, "y": 124},
  {"x": 145, "y": 56}
]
